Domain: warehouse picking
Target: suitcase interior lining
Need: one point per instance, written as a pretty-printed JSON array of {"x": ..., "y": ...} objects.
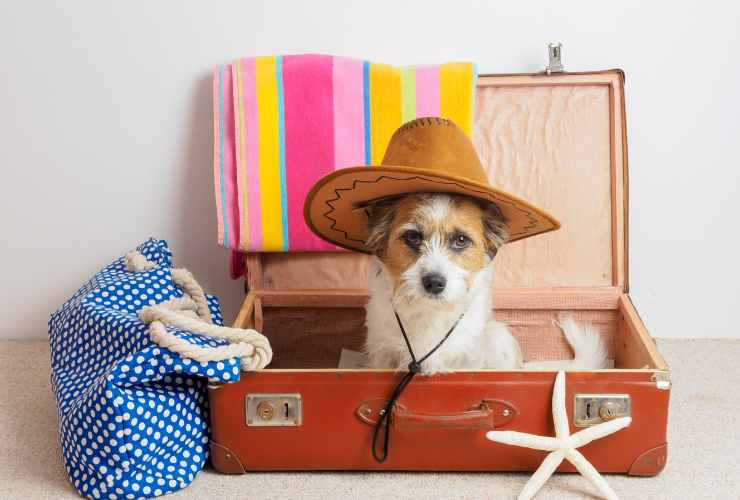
[{"x": 313, "y": 337}]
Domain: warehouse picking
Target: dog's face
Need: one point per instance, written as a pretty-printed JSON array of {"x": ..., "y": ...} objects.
[{"x": 434, "y": 245}]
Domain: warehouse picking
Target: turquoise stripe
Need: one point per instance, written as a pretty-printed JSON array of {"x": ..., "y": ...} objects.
[
  {"x": 221, "y": 127},
  {"x": 281, "y": 147},
  {"x": 366, "y": 108}
]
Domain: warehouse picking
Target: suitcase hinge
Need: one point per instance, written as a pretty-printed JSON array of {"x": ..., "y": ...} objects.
[
  {"x": 662, "y": 380},
  {"x": 555, "y": 53}
]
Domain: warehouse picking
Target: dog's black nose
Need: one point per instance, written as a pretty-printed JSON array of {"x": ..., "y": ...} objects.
[{"x": 434, "y": 283}]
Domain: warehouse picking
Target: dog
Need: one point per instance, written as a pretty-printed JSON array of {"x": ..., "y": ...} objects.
[{"x": 432, "y": 266}]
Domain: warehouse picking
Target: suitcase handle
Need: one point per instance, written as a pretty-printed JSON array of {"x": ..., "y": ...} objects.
[{"x": 488, "y": 414}]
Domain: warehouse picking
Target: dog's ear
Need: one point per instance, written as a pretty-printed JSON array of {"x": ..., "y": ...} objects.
[
  {"x": 495, "y": 230},
  {"x": 380, "y": 215}
]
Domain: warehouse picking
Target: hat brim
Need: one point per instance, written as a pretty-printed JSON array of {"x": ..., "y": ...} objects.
[{"x": 334, "y": 207}]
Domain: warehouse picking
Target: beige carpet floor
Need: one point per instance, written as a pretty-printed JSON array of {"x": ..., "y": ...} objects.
[{"x": 703, "y": 458}]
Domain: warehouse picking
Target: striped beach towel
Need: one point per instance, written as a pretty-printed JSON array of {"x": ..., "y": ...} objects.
[{"x": 282, "y": 122}]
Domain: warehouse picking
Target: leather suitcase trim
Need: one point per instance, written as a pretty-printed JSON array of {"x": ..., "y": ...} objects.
[
  {"x": 651, "y": 462},
  {"x": 224, "y": 460}
]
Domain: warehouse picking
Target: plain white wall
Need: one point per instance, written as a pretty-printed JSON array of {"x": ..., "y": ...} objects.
[{"x": 105, "y": 129}]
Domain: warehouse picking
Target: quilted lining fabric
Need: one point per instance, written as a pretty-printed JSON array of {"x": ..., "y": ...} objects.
[{"x": 133, "y": 417}]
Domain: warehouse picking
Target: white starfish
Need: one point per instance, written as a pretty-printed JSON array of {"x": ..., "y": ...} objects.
[{"x": 562, "y": 446}]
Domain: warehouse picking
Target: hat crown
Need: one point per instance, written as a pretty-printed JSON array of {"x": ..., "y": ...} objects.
[
  {"x": 426, "y": 155},
  {"x": 435, "y": 144}
]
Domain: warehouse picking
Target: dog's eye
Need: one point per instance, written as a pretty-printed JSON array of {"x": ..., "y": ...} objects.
[
  {"x": 412, "y": 238},
  {"x": 460, "y": 241}
]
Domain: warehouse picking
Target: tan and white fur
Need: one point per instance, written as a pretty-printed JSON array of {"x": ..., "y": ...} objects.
[{"x": 433, "y": 266}]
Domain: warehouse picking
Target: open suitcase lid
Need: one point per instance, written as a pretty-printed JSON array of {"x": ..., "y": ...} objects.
[{"x": 557, "y": 140}]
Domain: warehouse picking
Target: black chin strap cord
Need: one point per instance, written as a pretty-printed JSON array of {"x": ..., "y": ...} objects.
[{"x": 384, "y": 419}]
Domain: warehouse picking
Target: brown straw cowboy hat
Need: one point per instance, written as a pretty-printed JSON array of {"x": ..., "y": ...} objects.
[{"x": 424, "y": 155}]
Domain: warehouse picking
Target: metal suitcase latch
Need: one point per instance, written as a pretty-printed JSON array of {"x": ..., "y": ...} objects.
[
  {"x": 274, "y": 410},
  {"x": 554, "y": 51},
  {"x": 592, "y": 409}
]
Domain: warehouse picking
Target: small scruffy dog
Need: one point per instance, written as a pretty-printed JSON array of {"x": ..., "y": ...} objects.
[{"x": 433, "y": 265}]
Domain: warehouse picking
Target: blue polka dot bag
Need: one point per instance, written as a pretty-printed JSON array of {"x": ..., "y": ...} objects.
[{"x": 133, "y": 415}]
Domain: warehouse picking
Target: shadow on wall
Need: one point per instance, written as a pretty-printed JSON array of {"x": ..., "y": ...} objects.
[{"x": 194, "y": 233}]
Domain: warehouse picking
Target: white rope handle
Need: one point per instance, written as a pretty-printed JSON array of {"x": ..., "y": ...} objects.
[{"x": 191, "y": 313}]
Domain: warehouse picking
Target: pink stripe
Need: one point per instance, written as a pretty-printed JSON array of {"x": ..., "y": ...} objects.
[
  {"x": 427, "y": 91},
  {"x": 229, "y": 160},
  {"x": 251, "y": 154},
  {"x": 309, "y": 139},
  {"x": 349, "y": 123},
  {"x": 237, "y": 148},
  {"x": 217, "y": 152}
]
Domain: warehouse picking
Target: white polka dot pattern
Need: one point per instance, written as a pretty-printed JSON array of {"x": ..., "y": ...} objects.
[{"x": 133, "y": 417}]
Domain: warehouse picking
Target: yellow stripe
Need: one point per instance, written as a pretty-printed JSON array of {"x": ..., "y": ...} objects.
[
  {"x": 385, "y": 107},
  {"x": 242, "y": 171},
  {"x": 269, "y": 151},
  {"x": 456, "y": 94}
]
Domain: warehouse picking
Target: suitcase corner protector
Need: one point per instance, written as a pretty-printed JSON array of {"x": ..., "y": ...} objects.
[
  {"x": 224, "y": 460},
  {"x": 651, "y": 462}
]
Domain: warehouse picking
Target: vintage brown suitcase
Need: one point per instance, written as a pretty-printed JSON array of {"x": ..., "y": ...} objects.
[{"x": 557, "y": 140}]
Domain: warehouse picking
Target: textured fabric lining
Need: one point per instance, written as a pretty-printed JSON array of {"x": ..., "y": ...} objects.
[
  {"x": 551, "y": 146},
  {"x": 314, "y": 337},
  {"x": 541, "y": 340}
]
